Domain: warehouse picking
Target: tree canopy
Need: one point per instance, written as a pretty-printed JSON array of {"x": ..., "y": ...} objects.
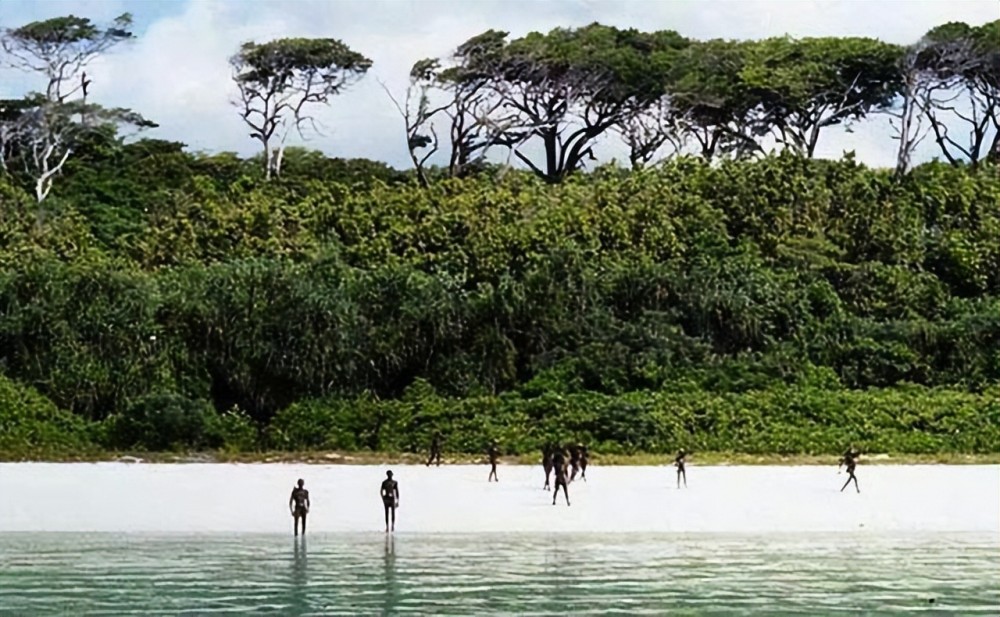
[{"x": 277, "y": 80}]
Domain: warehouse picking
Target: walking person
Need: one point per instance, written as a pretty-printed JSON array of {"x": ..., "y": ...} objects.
[
  {"x": 547, "y": 463},
  {"x": 494, "y": 454},
  {"x": 850, "y": 459},
  {"x": 574, "y": 461},
  {"x": 435, "y": 449},
  {"x": 559, "y": 467}
]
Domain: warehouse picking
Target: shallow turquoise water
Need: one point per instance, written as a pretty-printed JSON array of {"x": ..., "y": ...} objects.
[{"x": 515, "y": 573}]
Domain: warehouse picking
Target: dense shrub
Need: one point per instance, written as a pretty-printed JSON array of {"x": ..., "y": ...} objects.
[
  {"x": 346, "y": 307},
  {"x": 31, "y": 425},
  {"x": 782, "y": 419},
  {"x": 164, "y": 421}
]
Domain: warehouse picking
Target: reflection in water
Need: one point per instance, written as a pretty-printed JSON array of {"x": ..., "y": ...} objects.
[
  {"x": 391, "y": 586},
  {"x": 507, "y": 574},
  {"x": 299, "y": 600}
]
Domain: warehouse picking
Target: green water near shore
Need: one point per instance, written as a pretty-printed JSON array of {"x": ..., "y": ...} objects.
[{"x": 537, "y": 574}]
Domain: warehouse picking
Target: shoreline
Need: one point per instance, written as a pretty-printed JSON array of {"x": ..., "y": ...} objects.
[{"x": 405, "y": 458}]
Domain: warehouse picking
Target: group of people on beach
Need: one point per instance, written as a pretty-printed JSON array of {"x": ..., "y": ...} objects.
[{"x": 564, "y": 461}]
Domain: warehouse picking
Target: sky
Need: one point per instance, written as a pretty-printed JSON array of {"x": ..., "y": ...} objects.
[{"x": 176, "y": 72}]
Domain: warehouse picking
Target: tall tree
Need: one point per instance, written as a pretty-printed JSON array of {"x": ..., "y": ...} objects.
[
  {"x": 277, "y": 80},
  {"x": 806, "y": 85},
  {"x": 570, "y": 87},
  {"x": 709, "y": 103},
  {"x": 964, "y": 62},
  {"x": 906, "y": 117},
  {"x": 458, "y": 93},
  {"x": 647, "y": 127},
  {"x": 419, "y": 114},
  {"x": 42, "y": 130},
  {"x": 478, "y": 118},
  {"x": 60, "y": 48}
]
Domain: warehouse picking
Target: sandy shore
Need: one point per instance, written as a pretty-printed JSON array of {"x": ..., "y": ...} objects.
[{"x": 213, "y": 498}]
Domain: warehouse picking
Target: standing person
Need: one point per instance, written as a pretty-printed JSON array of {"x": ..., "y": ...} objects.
[
  {"x": 494, "y": 453},
  {"x": 299, "y": 505},
  {"x": 559, "y": 467},
  {"x": 435, "y": 449},
  {"x": 574, "y": 461},
  {"x": 584, "y": 459},
  {"x": 850, "y": 459},
  {"x": 547, "y": 463},
  {"x": 390, "y": 499},
  {"x": 679, "y": 461}
]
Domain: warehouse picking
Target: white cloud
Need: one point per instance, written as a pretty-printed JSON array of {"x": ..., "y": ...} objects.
[{"x": 177, "y": 72}]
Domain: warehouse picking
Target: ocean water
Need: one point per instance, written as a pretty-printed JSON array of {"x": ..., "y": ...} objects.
[{"x": 113, "y": 539}]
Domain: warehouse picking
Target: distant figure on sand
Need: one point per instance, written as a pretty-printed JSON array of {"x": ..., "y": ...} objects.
[
  {"x": 584, "y": 459},
  {"x": 574, "y": 461},
  {"x": 390, "y": 499},
  {"x": 494, "y": 453},
  {"x": 559, "y": 466},
  {"x": 850, "y": 459},
  {"x": 679, "y": 462},
  {"x": 547, "y": 463},
  {"x": 435, "y": 450},
  {"x": 298, "y": 504}
]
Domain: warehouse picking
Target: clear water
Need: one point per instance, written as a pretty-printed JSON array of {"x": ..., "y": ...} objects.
[{"x": 851, "y": 573}]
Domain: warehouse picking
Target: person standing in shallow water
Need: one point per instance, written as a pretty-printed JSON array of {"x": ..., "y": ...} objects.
[
  {"x": 494, "y": 454},
  {"x": 547, "y": 463},
  {"x": 390, "y": 500},
  {"x": 679, "y": 461},
  {"x": 559, "y": 467},
  {"x": 435, "y": 450},
  {"x": 850, "y": 459},
  {"x": 299, "y": 505}
]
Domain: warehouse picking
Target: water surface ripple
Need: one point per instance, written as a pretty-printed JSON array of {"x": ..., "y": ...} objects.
[{"x": 505, "y": 573}]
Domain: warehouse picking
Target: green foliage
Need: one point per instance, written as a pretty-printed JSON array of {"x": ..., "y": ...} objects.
[
  {"x": 808, "y": 84},
  {"x": 85, "y": 333},
  {"x": 365, "y": 315},
  {"x": 764, "y": 303},
  {"x": 70, "y": 34},
  {"x": 31, "y": 425},
  {"x": 278, "y": 79},
  {"x": 283, "y": 60},
  {"x": 163, "y": 421},
  {"x": 549, "y": 85},
  {"x": 785, "y": 420},
  {"x": 236, "y": 431}
]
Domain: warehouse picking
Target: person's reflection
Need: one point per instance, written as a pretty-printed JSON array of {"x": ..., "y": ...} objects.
[
  {"x": 299, "y": 603},
  {"x": 391, "y": 604}
]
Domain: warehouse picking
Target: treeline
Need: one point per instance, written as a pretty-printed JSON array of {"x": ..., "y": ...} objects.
[
  {"x": 546, "y": 99},
  {"x": 788, "y": 304},
  {"x": 725, "y": 298}
]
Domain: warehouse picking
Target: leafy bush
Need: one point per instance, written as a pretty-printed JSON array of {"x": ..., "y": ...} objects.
[
  {"x": 31, "y": 425},
  {"x": 237, "y": 432},
  {"x": 164, "y": 421},
  {"x": 785, "y": 419}
]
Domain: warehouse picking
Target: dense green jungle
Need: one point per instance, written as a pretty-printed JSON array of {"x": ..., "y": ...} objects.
[
  {"x": 158, "y": 299},
  {"x": 778, "y": 305}
]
